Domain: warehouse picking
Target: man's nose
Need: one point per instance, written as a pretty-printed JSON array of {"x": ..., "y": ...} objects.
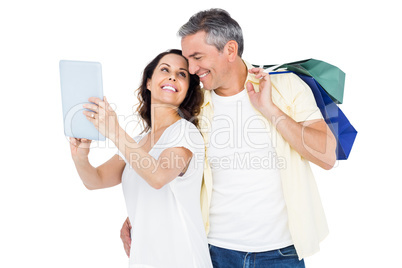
[{"x": 193, "y": 68}]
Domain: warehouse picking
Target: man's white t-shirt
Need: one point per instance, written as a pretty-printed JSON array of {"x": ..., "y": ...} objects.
[
  {"x": 248, "y": 210},
  {"x": 167, "y": 228}
]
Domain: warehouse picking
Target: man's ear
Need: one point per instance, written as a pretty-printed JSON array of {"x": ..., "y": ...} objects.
[{"x": 231, "y": 49}]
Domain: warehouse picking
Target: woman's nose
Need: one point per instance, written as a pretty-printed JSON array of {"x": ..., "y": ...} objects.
[{"x": 172, "y": 78}]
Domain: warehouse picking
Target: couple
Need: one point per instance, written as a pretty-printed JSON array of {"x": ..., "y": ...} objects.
[{"x": 253, "y": 215}]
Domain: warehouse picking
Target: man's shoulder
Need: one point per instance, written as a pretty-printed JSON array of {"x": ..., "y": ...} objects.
[
  {"x": 288, "y": 84},
  {"x": 283, "y": 76}
]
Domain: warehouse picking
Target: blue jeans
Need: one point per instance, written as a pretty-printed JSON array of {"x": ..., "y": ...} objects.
[{"x": 280, "y": 258}]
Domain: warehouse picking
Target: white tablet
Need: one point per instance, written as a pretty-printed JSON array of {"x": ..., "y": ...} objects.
[{"x": 79, "y": 81}]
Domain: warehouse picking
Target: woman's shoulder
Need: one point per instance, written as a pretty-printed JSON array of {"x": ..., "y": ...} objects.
[
  {"x": 139, "y": 137},
  {"x": 185, "y": 130},
  {"x": 188, "y": 124},
  {"x": 185, "y": 126}
]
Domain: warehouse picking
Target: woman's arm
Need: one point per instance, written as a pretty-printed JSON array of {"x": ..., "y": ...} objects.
[
  {"x": 156, "y": 172},
  {"x": 104, "y": 176}
]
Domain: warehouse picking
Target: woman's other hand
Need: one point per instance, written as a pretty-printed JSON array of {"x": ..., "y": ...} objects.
[{"x": 79, "y": 147}]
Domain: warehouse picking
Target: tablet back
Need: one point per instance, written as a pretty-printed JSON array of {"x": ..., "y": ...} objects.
[{"x": 79, "y": 81}]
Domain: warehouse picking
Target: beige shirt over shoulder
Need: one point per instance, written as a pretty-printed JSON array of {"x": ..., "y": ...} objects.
[{"x": 307, "y": 222}]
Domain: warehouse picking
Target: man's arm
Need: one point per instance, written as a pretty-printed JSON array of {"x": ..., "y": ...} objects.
[
  {"x": 312, "y": 139},
  {"x": 125, "y": 236}
]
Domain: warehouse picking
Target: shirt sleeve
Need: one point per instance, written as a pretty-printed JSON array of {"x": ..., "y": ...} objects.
[
  {"x": 305, "y": 106},
  {"x": 294, "y": 97},
  {"x": 186, "y": 135}
]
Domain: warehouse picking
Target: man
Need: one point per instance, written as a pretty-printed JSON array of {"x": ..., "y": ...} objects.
[{"x": 260, "y": 203}]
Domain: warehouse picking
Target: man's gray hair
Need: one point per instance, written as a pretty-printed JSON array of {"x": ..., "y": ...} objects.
[{"x": 218, "y": 25}]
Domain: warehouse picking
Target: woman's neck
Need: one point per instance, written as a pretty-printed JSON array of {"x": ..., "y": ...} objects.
[{"x": 163, "y": 116}]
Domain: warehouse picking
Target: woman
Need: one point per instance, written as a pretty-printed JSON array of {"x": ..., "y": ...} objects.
[{"x": 162, "y": 169}]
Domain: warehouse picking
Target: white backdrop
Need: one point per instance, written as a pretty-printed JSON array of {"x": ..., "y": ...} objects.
[{"x": 49, "y": 219}]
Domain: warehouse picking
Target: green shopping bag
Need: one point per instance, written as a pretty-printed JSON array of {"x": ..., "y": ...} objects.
[{"x": 330, "y": 77}]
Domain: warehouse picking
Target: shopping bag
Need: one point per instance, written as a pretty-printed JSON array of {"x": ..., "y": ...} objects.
[
  {"x": 330, "y": 77},
  {"x": 339, "y": 124}
]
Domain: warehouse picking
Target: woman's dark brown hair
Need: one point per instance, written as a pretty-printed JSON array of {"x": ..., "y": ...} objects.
[{"x": 188, "y": 109}]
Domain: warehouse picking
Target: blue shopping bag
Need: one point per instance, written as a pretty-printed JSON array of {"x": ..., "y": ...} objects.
[{"x": 339, "y": 124}]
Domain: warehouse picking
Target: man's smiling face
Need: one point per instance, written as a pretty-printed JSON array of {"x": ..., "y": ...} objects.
[{"x": 205, "y": 60}]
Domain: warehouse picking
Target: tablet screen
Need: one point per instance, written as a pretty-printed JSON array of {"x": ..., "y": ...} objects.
[{"x": 79, "y": 81}]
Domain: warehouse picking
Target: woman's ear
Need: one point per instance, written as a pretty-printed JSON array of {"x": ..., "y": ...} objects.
[{"x": 149, "y": 84}]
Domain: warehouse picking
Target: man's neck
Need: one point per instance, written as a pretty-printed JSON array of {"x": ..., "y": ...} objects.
[{"x": 238, "y": 76}]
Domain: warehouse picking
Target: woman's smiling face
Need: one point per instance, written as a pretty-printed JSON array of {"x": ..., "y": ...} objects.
[{"x": 170, "y": 81}]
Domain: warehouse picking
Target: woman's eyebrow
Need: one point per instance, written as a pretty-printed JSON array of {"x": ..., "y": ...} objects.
[{"x": 169, "y": 66}]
